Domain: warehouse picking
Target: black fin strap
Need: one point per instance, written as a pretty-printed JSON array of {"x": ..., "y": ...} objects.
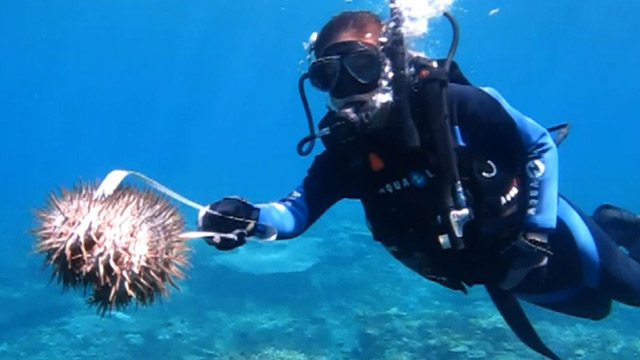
[
  {"x": 562, "y": 131},
  {"x": 514, "y": 316}
]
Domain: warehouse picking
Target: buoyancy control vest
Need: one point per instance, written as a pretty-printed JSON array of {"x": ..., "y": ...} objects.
[{"x": 495, "y": 224}]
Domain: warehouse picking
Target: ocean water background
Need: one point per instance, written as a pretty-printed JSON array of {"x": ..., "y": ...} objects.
[{"x": 202, "y": 95}]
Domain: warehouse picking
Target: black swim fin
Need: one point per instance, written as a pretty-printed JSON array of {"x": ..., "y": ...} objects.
[{"x": 512, "y": 313}]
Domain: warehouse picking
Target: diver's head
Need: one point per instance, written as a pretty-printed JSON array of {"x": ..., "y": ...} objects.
[
  {"x": 348, "y": 55},
  {"x": 362, "y": 26}
]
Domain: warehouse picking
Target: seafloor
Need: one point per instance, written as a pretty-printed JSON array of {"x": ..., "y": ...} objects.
[{"x": 355, "y": 302}]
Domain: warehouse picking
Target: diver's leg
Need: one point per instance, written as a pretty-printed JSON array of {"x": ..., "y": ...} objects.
[
  {"x": 564, "y": 284},
  {"x": 586, "y": 269},
  {"x": 622, "y": 226},
  {"x": 620, "y": 274}
]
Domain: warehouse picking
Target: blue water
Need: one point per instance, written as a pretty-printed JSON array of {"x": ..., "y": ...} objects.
[{"x": 202, "y": 95}]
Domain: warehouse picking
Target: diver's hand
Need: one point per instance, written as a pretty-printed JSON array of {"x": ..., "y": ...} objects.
[
  {"x": 233, "y": 218},
  {"x": 530, "y": 251}
]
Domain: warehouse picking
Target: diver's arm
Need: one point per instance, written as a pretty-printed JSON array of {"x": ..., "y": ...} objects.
[
  {"x": 490, "y": 126},
  {"x": 289, "y": 216},
  {"x": 541, "y": 168},
  {"x": 326, "y": 183},
  {"x": 231, "y": 220}
]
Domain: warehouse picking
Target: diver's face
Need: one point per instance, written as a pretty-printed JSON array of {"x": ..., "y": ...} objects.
[{"x": 350, "y": 65}]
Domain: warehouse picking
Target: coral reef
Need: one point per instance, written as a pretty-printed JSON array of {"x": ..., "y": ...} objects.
[{"x": 354, "y": 303}]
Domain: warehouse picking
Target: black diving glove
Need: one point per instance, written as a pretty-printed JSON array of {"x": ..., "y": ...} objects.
[
  {"x": 233, "y": 218},
  {"x": 530, "y": 251}
]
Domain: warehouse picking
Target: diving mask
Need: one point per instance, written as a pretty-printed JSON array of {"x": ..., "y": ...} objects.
[
  {"x": 347, "y": 68},
  {"x": 351, "y": 71}
]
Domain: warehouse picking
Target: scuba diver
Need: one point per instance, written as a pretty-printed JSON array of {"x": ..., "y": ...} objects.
[{"x": 456, "y": 184}]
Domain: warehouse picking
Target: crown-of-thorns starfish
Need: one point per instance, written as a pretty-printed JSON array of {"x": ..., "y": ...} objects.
[{"x": 121, "y": 248}]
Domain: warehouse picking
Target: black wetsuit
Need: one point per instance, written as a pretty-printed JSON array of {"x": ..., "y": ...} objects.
[{"x": 509, "y": 165}]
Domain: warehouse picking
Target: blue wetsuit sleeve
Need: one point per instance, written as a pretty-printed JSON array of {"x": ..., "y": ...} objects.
[
  {"x": 541, "y": 168},
  {"x": 327, "y": 182},
  {"x": 290, "y": 216}
]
